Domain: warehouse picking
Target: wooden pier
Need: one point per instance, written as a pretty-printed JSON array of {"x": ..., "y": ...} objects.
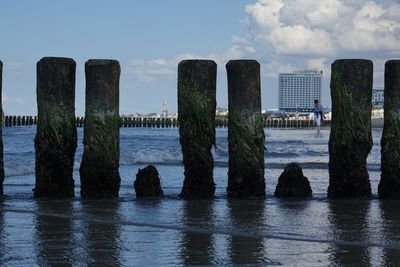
[{"x": 144, "y": 122}]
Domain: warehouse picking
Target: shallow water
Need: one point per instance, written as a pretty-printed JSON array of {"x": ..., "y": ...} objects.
[{"x": 171, "y": 231}]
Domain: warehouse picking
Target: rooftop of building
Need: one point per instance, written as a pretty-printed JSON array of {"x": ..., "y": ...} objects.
[{"x": 301, "y": 72}]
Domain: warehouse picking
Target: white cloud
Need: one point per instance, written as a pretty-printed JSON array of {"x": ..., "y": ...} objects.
[
  {"x": 288, "y": 35},
  {"x": 150, "y": 70},
  {"x": 319, "y": 64},
  {"x": 292, "y": 35},
  {"x": 12, "y": 66},
  {"x": 299, "y": 40},
  {"x": 309, "y": 27},
  {"x": 271, "y": 68},
  {"x": 153, "y": 70},
  {"x": 13, "y": 100},
  {"x": 266, "y": 12},
  {"x": 236, "y": 40}
]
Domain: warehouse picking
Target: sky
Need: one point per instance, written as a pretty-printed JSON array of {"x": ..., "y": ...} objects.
[{"x": 150, "y": 37}]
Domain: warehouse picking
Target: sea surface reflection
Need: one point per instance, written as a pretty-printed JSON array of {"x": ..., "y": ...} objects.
[
  {"x": 170, "y": 231},
  {"x": 349, "y": 222},
  {"x": 198, "y": 248},
  {"x": 54, "y": 235}
]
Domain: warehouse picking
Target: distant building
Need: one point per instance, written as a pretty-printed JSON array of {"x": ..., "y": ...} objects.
[
  {"x": 378, "y": 97},
  {"x": 164, "y": 110},
  {"x": 298, "y": 90},
  {"x": 221, "y": 112}
]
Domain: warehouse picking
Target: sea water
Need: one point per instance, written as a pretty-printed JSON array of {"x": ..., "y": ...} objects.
[{"x": 170, "y": 231}]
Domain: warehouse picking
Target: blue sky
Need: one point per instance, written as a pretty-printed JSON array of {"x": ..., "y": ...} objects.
[{"x": 149, "y": 38}]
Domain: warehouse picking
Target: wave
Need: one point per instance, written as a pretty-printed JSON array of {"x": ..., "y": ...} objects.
[
  {"x": 282, "y": 155},
  {"x": 151, "y": 156},
  {"x": 199, "y": 229},
  {"x": 171, "y": 159},
  {"x": 19, "y": 170}
]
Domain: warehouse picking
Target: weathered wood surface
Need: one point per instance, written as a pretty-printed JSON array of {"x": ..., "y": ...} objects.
[
  {"x": 100, "y": 161},
  {"x": 197, "y": 80},
  {"x": 245, "y": 130},
  {"x": 350, "y": 139},
  {"x": 56, "y": 137}
]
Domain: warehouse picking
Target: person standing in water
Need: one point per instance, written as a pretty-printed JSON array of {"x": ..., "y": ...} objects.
[{"x": 318, "y": 114}]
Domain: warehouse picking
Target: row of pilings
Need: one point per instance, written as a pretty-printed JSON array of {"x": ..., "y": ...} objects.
[
  {"x": 349, "y": 144},
  {"x": 56, "y": 135},
  {"x": 148, "y": 122},
  {"x": 350, "y": 139},
  {"x": 196, "y": 109}
]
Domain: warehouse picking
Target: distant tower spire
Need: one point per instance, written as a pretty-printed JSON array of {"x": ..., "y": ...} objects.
[{"x": 164, "y": 110}]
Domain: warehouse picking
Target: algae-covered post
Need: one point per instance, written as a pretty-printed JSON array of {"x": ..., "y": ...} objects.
[
  {"x": 196, "y": 111},
  {"x": 55, "y": 141},
  {"x": 100, "y": 161},
  {"x": 1, "y": 133},
  {"x": 245, "y": 130},
  {"x": 350, "y": 139},
  {"x": 389, "y": 186}
]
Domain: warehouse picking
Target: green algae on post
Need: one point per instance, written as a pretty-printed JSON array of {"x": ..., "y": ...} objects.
[
  {"x": 245, "y": 130},
  {"x": 350, "y": 139},
  {"x": 1, "y": 132},
  {"x": 100, "y": 161},
  {"x": 196, "y": 117},
  {"x": 56, "y": 138},
  {"x": 389, "y": 185}
]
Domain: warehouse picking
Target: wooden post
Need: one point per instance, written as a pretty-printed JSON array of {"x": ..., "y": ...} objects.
[
  {"x": 1, "y": 132},
  {"x": 56, "y": 138},
  {"x": 389, "y": 186},
  {"x": 196, "y": 116},
  {"x": 100, "y": 161},
  {"x": 350, "y": 139},
  {"x": 245, "y": 130}
]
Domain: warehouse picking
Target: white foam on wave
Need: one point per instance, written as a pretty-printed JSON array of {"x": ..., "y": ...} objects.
[
  {"x": 23, "y": 169},
  {"x": 152, "y": 156}
]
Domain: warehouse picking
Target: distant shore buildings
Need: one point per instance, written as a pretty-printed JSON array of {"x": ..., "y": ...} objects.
[
  {"x": 299, "y": 89},
  {"x": 378, "y": 97}
]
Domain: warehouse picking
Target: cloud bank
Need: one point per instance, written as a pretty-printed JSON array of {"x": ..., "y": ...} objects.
[
  {"x": 288, "y": 35},
  {"x": 318, "y": 31}
]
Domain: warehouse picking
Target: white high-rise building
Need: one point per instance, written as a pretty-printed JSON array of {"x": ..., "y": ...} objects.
[
  {"x": 378, "y": 98},
  {"x": 299, "y": 89}
]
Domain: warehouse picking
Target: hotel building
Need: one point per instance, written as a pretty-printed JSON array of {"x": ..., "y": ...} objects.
[
  {"x": 298, "y": 90},
  {"x": 378, "y": 97}
]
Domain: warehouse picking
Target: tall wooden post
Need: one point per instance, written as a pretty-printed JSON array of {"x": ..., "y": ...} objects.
[
  {"x": 1, "y": 132},
  {"x": 350, "y": 139},
  {"x": 55, "y": 141},
  {"x": 389, "y": 186},
  {"x": 196, "y": 111},
  {"x": 245, "y": 130},
  {"x": 100, "y": 162}
]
